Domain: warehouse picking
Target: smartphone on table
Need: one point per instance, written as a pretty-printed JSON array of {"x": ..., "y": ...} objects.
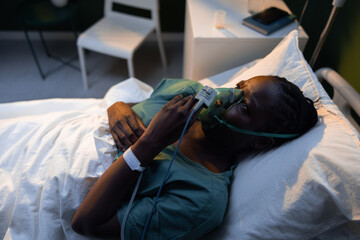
[{"x": 270, "y": 15}]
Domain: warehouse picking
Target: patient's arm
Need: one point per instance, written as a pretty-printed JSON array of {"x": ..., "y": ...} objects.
[
  {"x": 96, "y": 216},
  {"x": 125, "y": 125}
]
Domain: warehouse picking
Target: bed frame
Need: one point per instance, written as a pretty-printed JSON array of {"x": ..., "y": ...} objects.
[{"x": 345, "y": 96}]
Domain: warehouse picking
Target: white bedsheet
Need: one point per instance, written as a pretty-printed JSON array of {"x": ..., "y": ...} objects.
[{"x": 51, "y": 153}]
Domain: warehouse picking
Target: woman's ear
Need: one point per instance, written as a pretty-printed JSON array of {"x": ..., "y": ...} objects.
[{"x": 261, "y": 143}]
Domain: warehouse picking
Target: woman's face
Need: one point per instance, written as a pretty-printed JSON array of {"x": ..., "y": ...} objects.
[{"x": 253, "y": 113}]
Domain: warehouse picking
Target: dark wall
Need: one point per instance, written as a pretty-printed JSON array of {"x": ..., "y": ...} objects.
[
  {"x": 341, "y": 50},
  {"x": 172, "y": 15}
]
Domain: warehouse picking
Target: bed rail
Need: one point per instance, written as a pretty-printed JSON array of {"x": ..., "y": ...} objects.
[{"x": 345, "y": 96}]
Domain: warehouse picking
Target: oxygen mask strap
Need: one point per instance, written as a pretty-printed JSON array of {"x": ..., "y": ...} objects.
[
  {"x": 232, "y": 98},
  {"x": 255, "y": 133}
]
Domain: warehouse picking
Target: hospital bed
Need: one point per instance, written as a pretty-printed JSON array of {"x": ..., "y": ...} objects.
[{"x": 52, "y": 151}]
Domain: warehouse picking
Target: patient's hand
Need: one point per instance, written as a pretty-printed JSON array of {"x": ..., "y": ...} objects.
[
  {"x": 166, "y": 127},
  {"x": 126, "y": 126}
]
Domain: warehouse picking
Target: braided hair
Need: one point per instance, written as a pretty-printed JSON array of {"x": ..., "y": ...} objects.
[{"x": 296, "y": 113}]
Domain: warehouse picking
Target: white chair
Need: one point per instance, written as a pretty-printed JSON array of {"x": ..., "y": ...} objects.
[{"x": 118, "y": 34}]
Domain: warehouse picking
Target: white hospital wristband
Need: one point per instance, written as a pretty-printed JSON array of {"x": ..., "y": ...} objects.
[{"x": 132, "y": 161}]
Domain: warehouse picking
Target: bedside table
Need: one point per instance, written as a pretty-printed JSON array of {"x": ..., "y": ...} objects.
[{"x": 209, "y": 51}]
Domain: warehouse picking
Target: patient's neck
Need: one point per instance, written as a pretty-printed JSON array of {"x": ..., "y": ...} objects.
[{"x": 198, "y": 148}]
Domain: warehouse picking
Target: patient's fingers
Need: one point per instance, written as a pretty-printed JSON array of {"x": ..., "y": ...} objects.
[
  {"x": 125, "y": 125},
  {"x": 125, "y": 134},
  {"x": 127, "y": 131},
  {"x": 137, "y": 127},
  {"x": 141, "y": 125},
  {"x": 117, "y": 141},
  {"x": 174, "y": 100},
  {"x": 189, "y": 106},
  {"x": 133, "y": 128},
  {"x": 182, "y": 102},
  {"x": 189, "y": 102}
]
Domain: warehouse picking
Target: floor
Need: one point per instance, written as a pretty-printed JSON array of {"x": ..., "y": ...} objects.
[{"x": 20, "y": 79}]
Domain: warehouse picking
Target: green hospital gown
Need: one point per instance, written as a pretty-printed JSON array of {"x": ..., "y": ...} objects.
[{"x": 193, "y": 200}]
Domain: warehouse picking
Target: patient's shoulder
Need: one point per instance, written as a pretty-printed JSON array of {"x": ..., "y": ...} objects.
[{"x": 168, "y": 88}]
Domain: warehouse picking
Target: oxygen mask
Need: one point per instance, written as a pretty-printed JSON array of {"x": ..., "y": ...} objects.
[{"x": 225, "y": 98}]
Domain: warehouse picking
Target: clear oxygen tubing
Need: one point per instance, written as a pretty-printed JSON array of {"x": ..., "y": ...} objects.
[
  {"x": 123, "y": 222},
  {"x": 126, "y": 214}
]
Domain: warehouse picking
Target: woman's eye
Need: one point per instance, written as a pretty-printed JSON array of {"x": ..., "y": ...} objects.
[{"x": 244, "y": 106}]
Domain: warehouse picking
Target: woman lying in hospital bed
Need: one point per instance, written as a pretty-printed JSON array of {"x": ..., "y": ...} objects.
[
  {"x": 195, "y": 195},
  {"x": 53, "y": 151}
]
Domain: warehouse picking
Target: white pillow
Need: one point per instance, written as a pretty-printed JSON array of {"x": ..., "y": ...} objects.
[{"x": 305, "y": 187}]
